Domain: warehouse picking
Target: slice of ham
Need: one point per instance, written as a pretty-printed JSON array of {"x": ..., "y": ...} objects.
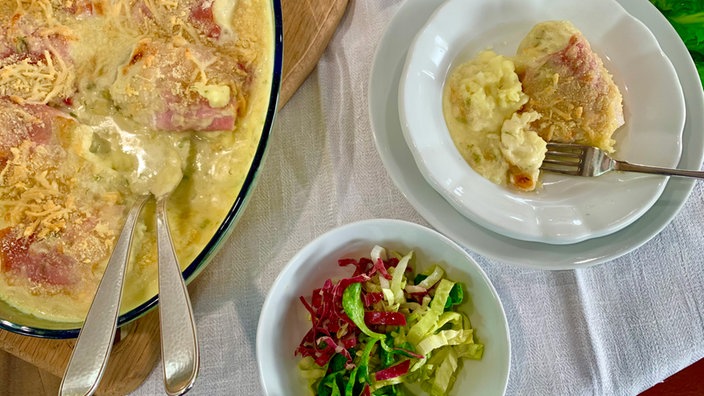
[
  {"x": 201, "y": 16},
  {"x": 64, "y": 258},
  {"x": 198, "y": 117},
  {"x": 25, "y": 37},
  {"x": 82, "y": 8},
  {"x": 38, "y": 261},
  {"x": 197, "y": 13},
  {"x": 24, "y": 122},
  {"x": 568, "y": 86},
  {"x": 156, "y": 88}
]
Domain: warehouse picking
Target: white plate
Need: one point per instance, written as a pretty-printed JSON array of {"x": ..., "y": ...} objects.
[
  {"x": 284, "y": 321},
  {"x": 383, "y": 108},
  {"x": 566, "y": 209}
]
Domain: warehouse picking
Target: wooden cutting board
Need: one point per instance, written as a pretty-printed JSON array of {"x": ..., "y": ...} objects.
[{"x": 308, "y": 27}]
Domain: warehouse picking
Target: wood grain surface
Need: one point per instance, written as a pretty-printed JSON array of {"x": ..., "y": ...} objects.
[
  {"x": 33, "y": 366},
  {"x": 133, "y": 357},
  {"x": 308, "y": 27}
]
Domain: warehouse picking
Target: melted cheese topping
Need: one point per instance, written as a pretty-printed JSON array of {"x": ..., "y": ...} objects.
[
  {"x": 31, "y": 197},
  {"x": 569, "y": 86},
  {"x": 36, "y": 71},
  {"x": 36, "y": 82},
  {"x": 222, "y": 12}
]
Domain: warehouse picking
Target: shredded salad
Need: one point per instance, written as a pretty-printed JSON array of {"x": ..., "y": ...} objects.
[{"x": 385, "y": 326}]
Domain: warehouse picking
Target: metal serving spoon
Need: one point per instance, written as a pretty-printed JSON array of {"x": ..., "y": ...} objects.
[
  {"x": 180, "y": 357},
  {"x": 179, "y": 342},
  {"x": 90, "y": 355}
]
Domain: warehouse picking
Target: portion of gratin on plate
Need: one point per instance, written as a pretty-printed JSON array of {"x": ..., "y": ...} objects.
[{"x": 500, "y": 111}]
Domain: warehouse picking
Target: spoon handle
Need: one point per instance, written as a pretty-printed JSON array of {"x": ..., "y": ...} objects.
[
  {"x": 179, "y": 343},
  {"x": 90, "y": 355}
]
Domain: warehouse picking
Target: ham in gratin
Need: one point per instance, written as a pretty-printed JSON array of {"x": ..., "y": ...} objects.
[{"x": 568, "y": 86}]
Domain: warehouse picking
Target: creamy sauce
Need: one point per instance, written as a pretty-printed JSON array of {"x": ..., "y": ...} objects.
[
  {"x": 113, "y": 145},
  {"x": 481, "y": 101}
]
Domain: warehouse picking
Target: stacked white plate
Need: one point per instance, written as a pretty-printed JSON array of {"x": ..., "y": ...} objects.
[{"x": 571, "y": 222}]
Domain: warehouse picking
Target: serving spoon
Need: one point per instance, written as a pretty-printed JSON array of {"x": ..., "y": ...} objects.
[
  {"x": 179, "y": 344},
  {"x": 90, "y": 354},
  {"x": 180, "y": 357}
]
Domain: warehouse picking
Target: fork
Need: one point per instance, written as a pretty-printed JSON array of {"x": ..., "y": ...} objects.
[{"x": 581, "y": 160}]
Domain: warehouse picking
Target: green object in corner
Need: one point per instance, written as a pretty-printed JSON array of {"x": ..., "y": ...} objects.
[{"x": 687, "y": 17}]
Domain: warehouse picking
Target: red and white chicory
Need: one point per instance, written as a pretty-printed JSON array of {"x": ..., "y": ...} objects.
[{"x": 385, "y": 326}]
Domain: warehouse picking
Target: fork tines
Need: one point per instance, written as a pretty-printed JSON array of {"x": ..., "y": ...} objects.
[{"x": 563, "y": 158}]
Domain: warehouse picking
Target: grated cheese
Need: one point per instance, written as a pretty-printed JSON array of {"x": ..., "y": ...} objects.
[
  {"x": 38, "y": 82},
  {"x": 30, "y": 198}
]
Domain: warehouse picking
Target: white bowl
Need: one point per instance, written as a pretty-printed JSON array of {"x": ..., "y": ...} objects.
[
  {"x": 284, "y": 321},
  {"x": 567, "y": 209}
]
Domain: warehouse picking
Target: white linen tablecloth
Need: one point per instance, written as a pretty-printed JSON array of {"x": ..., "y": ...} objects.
[{"x": 614, "y": 329}]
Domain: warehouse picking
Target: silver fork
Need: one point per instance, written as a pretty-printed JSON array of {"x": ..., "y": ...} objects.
[{"x": 580, "y": 160}]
